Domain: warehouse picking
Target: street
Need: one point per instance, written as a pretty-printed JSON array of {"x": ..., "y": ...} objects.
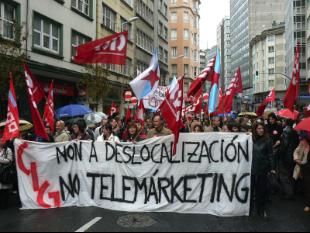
[{"x": 285, "y": 216}]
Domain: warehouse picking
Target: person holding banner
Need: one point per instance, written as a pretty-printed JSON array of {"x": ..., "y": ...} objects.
[
  {"x": 6, "y": 157},
  {"x": 132, "y": 134},
  {"x": 61, "y": 134},
  {"x": 159, "y": 129},
  {"x": 261, "y": 167},
  {"x": 216, "y": 125},
  {"x": 108, "y": 135},
  {"x": 79, "y": 131}
]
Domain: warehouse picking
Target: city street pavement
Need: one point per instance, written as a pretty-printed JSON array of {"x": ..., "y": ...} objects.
[{"x": 286, "y": 216}]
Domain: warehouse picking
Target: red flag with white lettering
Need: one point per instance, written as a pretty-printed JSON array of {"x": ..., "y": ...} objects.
[
  {"x": 235, "y": 87},
  {"x": 113, "y": 109},
  {"x": 269, "y": 99},
  {"x": 109, "y": 50},
  {"x": 39, "y": 128},
  {"x": 198, "y": 101},
  {"x": 293, "y": 90},
  {"x": 205, "y": 75},
  {"x": 34, "y": 85},
  {"x": 171, "y": 109},
  {"x": 11, "y": 130},
  {"x": 49, "y": 113}
]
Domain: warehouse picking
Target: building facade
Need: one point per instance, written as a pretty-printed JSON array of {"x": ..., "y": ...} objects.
[
  {"x": 248, "y": 19},
  {"x": 147, "y": 32},
  {"x": 239, "y": 23},
  {"x": 184, "y": 39},
  {"x": 220, "y": 45},
  {"x": 49, "y": 34},
  {"x": 203, "y": 60},
  {"x": 113, "y": 17},
  {"x": 268, "y": 64},
  {"x": 296, "y": 32},
  {"x": 224, "y": 44}
]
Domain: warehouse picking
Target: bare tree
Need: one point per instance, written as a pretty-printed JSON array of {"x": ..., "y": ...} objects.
[
  {"x": 12, "y": 57},
  {"x": 97, "y": 83}
]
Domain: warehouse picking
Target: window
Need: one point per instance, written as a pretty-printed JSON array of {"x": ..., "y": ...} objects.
[
  {"x": 129, "y": 2},
  {"x": 186, "y": 52},
  {"x": 78, "y": 39},
  {"x": 174, "y": 52},
  {"x": 271, "y": 60},
  {"x": 186, "y": 34},
  {"x": 7, "y": 20},
  {"x": 46, "y": 34},
  {"x": 174, "y": 70},
  {"x": 271, "y": 83},
  {"x": 144, "y": 41},
  {"x": 109, "y": 18},
  {"x": 271, "y": 49},
  {"x": 186, "y": 70},
  {"x": 174, "y": 17},
  {"x": 83, "y": 6},
  {"x": 174, "y": 35},
  {"x": 186, "y": 17}
]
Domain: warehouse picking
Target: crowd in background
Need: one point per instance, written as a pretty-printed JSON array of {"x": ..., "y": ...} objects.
[{"x": 280, "y": 154}]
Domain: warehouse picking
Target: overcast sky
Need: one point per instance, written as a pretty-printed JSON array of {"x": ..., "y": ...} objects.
[{"x": 211, "y": 12}]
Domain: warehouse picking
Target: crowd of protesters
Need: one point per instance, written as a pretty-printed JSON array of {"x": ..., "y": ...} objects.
[{"x": 280, "y": 154}]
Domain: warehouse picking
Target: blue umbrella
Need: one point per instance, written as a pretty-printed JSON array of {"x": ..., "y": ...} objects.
[{"x": 73, "y": 111}]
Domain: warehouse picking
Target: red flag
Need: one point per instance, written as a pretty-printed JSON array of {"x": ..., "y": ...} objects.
[
  {"x": 206, "y": 75},
  {"x": 197, "y": 103},
  {"x": 269, "y": 99},
  {"x": 171, "y": 109},
  {"x": 39, "y": 128},
  {"x": 235, "y": 87},
  {"x": 49, "y": 113},
  {"x": 293, "y": 90},
  {"x": 34, "y": 85},
  {"x": 109, "y": 50},
  {"x": 261, "y": 109},
  {"x": 237, "y": 82},
  {"x": 140, "y": 112},
  {"x": 113, "y": 109},
  {"x": 11, "y": 130}
]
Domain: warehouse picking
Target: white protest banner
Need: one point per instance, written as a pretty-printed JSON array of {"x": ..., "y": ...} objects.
[
  {"x": 154, "y": 101},
  {"x": 211, "y": 174}
]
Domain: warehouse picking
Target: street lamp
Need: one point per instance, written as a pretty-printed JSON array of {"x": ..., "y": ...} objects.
[
  {"x": 284, "y": 75},
  {"x": 130, "y": 21}
]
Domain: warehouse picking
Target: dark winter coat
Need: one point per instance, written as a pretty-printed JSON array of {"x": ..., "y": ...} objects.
[
  {"x": 289, "y": 143},
  {"x": 262, "y": 156}
]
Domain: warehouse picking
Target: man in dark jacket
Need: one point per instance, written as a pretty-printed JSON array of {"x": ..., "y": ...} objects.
[{"x": 289, "y": 143}]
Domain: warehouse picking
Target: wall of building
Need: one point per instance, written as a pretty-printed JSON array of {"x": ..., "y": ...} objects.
[
  {"x": 184, "y": 16},
  {"x": 268, "y": 62}
]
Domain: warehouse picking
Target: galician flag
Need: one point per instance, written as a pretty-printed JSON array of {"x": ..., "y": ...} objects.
[
  {"x": 214, "y": 93},
  {"x": 147, "y": 82}
]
